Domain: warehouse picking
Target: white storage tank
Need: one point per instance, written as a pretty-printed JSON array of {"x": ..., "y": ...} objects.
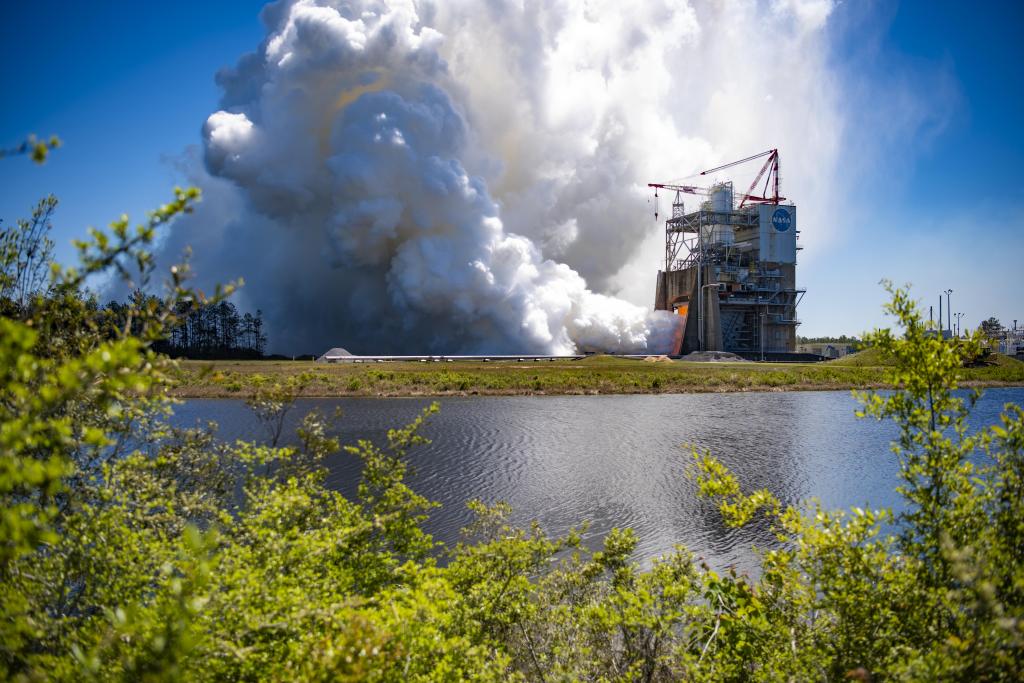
[{"x": 721, "y": 197}]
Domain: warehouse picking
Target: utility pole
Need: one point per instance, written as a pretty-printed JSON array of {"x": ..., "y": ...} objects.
[{"x": 949, "y": 310}]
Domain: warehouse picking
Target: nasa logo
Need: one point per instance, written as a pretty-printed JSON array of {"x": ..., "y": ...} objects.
[{"x": 781, "y": 220}]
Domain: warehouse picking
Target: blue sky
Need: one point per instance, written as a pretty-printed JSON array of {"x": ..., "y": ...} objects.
[
  {"x": 939, "y": 208},
  {"x": 128, "y": 85},
  {"x": 960, "y": 195},
  {"x": 125, "y": 85},
  {"x": 977, "y": 47}
]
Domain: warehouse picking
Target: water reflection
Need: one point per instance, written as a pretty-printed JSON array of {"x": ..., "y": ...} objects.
[{"x": 620, "y": 461}]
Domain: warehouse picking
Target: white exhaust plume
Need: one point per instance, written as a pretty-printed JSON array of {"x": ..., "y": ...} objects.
[{"x": 400, "y": 175}]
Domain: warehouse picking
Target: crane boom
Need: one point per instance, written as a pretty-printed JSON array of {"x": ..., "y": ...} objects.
[
  {"x": 741, "y": 161},
  {"x": 771, "y": 166},
  {"x": 691, "y": 189}
]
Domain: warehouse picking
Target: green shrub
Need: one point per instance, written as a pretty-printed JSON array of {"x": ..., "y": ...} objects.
[{"x": 133, "y": 551}]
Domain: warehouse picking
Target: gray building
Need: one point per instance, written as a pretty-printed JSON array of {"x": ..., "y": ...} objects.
[{"x": 730, "y": 270}]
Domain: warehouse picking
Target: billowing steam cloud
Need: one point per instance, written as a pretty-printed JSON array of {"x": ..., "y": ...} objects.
[{"x": 399, "y": 176}]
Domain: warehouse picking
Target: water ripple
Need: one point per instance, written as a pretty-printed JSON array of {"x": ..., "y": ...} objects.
[{"x": 620, "y": 461}]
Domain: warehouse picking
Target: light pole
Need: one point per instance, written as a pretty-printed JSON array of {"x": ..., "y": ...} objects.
[
  {"x": 949, "y": 311},
  {"x": 958, "y": 316}
]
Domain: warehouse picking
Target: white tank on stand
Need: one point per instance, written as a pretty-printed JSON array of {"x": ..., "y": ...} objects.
[
  {"x": 721, "y": 202},
  {"x": 721, "y": 197}
]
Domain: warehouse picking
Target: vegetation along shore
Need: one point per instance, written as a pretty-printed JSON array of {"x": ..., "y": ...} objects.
[{"x": 593, "y": 375}]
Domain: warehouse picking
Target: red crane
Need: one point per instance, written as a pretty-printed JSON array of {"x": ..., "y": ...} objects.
[
  {"x": 678, "y": 188},
  {"x": 771, "y": 166}
]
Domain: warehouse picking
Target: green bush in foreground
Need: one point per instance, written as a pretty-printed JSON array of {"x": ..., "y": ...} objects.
[{"x": 133, "y": 551}]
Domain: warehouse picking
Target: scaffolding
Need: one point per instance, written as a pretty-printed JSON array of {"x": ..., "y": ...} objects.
[{"x": 735, "y": 257}]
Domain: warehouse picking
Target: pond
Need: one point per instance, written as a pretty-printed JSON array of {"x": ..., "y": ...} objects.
[{"x": 619, "y": 461}]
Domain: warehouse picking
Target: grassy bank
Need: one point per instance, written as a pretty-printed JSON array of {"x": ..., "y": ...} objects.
[{"x": 594, "y": 375}]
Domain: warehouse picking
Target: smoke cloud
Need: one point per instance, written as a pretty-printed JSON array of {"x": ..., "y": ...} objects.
[{"x": 418, "y": 177}]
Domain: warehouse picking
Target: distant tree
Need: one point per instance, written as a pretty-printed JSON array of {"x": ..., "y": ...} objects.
[
  {"x": 855, "y": 343},
  {"x": 202, "y": 331},
  {"x": 259, "y": 339},
  {"x": 992, "y": 328},
  {"x": 26, "y": 251},
  {"x": 248, "y": 331},
  {"x": 841, "y": 339}
]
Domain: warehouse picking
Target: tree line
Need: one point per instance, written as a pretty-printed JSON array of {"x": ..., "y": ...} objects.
[
  {"x": 842, "y": 339},
  {"x": 201, "y": 329},
  {"x": 207, "y": 331}
]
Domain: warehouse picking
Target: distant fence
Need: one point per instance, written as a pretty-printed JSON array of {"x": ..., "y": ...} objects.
[{"x": 782, "y": 357}]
